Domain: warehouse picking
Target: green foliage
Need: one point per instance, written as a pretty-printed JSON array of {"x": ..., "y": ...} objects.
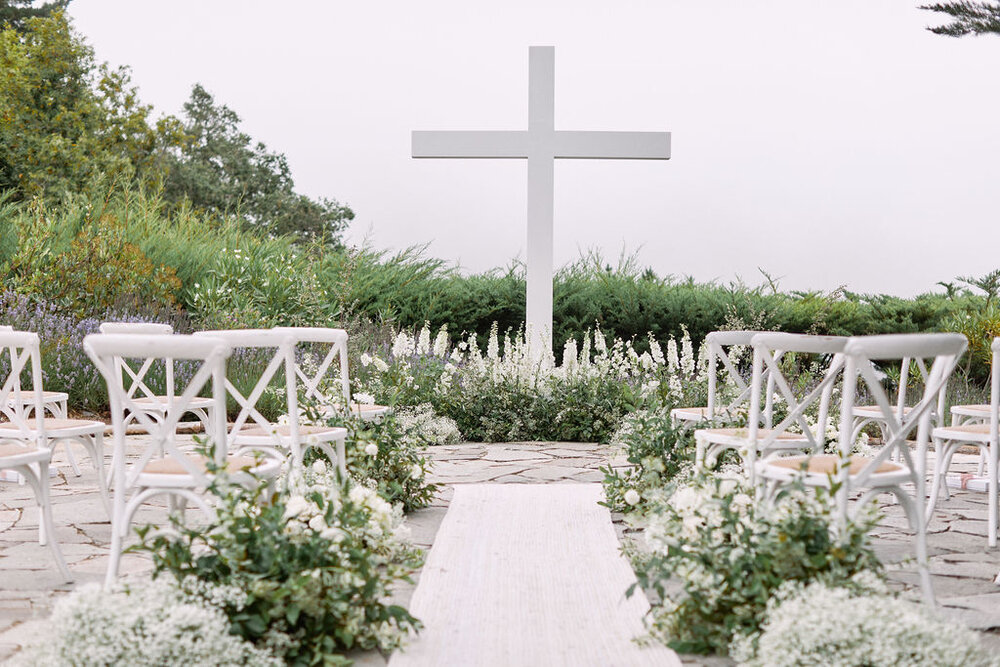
[
  {"x": 731, "y": 553},
  {"x": 66, "y": 124},
  {"x": 657, "y": 451},
  {"x": 14, "y": 13},
  {"x": 317, "y": 563},
  {"x": 90, "y": 252},
  {"x": 220, "y": 170},
  {"x": 967, "y": 18}
]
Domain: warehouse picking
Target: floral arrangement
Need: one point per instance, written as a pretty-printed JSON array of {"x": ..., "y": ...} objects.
[
  {"x": 316, "y": 557},
  {"x": 503, "y": 393},
  {"x": 421, "y": 421},
  {"x": 860, "y": 624},
  {"x": 728, "y": 554},
  {"x": 147, "y": 624},
  {"x": 657, "y": 450}
]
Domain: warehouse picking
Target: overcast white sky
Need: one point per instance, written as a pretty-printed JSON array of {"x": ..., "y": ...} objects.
[{"x": 830, "y": 142}]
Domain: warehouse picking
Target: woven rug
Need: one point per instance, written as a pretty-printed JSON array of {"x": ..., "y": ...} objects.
[{"x": 528, "y": 574}]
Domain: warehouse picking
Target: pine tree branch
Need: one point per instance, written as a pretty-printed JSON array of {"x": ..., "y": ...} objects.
[{"x": 969, "y": 18}]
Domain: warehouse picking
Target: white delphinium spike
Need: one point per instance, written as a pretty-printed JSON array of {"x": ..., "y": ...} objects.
[
  {"x": 600, "y": 345},
  {"x": 424, "y": 341},
  {"x": 441, "y": 342},
  {"x": 585, "y": 350},
  {"x": 493, "y": 346},
  {"x": 655, "y": 350},
  {"x": 687, "y": 354},
  {"x": 569, "y": 355},
  {"x": 702, "y": 363},
  {"x": 402, "y": 346},
  {"x": 673, "y": 363}
]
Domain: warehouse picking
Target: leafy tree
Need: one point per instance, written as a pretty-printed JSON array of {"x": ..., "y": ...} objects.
[
  {"x": 67, "y": 123},
  {"x": 220, "y": 169},
  {"x": 975, "y": 18},
  {"x": 14, "y": 13}
]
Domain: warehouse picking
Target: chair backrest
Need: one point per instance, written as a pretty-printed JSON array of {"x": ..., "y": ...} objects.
[
  {"x": 722, "y": 348},
  {"x": 313, "y": 375},
  {"x": 105, "y": 349},
  {"x": 861, "y": 353},
  {"x": 22, "y": 352},
  {"x": 136, "y": 375},
  {"x": 768, "y": 350},
  {"x": 249, "y": 416}
]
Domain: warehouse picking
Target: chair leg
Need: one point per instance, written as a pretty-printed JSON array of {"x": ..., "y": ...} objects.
[
  {"x": 38, "y": 478},
  {"x": 994, "y": 489},
  {"x": 95, "y": 448},
  {"x": 72, "y": 459}
]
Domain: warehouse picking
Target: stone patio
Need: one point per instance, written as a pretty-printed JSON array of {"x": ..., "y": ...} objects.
[{"x": 963, "y": 568}]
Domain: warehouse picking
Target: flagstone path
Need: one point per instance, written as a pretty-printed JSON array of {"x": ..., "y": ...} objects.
[{"x": 964, "y": 568}]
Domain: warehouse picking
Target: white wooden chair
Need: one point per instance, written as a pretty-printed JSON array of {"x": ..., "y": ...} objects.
[
  {"x": 24, "y": 443},
  {"x": 721, "y": 345},
  {"x": 312, "y": 378},
  {"x": 163, "y": 467},
  {"x": 760, "y": 437},
  {"x": 984, "y": 436},
  {"x": 55, "y": 402},
  {"x": 61, "y": 430},
  {"x": 144, "y": 398},
  {"x": 251, "y": 430},
  {"x": 873, "y": 476}
]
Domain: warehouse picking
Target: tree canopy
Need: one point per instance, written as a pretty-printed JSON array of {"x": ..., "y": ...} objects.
[
  {"x": 219, "y": 168},
  {"x": 69, "y": 124},
  {"x": 967, "y": 18}
]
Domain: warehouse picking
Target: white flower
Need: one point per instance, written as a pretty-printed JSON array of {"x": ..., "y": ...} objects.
[
  {"x": 366, "y": 359},
  {"x": 416, "y": 471},
  {"x": 296, "y": 506},
  {"x": 317, "y": 523},
  {"x": 632, "y": 497},
  {"x": 364, "y": 399},
  {"x": 319, "y": 467},
  {"x": 371, "y": 449}
]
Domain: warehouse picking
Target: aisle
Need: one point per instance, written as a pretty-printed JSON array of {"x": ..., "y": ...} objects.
[{"x": 527, "y": 574}]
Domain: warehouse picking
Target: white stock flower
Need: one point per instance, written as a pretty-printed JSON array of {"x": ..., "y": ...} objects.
[
  {"x": 441, "y": 342},
  {"x": 424, "y": 341}
]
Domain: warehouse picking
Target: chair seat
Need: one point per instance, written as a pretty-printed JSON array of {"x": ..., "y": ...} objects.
[
  {"x": 690, "y": 414},
  {"x": 874, "y": 411},
  {"x": 979, "y": 410},
  {"x": 285, "y": 431},
  {"x": 173, "y": 466},
  {"x": 55, "y": 427},
  {"x": 159, "y": 403},
  {"x": 967, "y": 432},
  {"x": 28, "y": 397},
  {"x": 369, "y": 409},
  {"x": 739, "y": 436},
  {"x": 14, "y": 454},
  {"x": 826, "y": 464}
]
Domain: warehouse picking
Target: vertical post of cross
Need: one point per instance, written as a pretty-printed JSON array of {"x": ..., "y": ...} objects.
[{"x": 541, "y": 205}]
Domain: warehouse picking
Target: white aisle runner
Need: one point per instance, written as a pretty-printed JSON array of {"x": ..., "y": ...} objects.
[{"x": 525, "y": 575}]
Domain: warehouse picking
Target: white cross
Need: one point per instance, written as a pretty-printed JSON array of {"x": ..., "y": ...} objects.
[{"x": 541, "y": 144}]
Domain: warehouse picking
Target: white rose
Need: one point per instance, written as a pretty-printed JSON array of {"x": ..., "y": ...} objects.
[
  {"x": 632, "y": 497},
  {"x": 371, "y": 449},
  {"x": 317, "y": 522}
]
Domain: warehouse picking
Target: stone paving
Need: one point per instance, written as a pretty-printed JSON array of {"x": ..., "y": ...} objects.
[{"x": 963, "y": 567}]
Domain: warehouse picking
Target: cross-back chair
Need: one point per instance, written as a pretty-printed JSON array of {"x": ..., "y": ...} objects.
[
  {"x": 24, "y": 444},
  {"x": 313, "y": 376},
  {"x": 251, "y": 430},
  {"x": 55, "y": 402},
  {"x": 164, "y": 467},
  {"x": 863, "y": 415},
  {"x": 866, "y": 477},
  {"x": 59, "y": 430},
  {"x": 980, "y": 434},
  {"x": 760, "y": 436},
  {"x": 144, "y": 398},
  {"x": 722, "y": 346}
]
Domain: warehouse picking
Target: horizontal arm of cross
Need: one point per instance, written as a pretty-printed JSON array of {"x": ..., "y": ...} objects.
[
  {"x": 612, "y": 145},
  {"x": 471, "y": 144}
]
